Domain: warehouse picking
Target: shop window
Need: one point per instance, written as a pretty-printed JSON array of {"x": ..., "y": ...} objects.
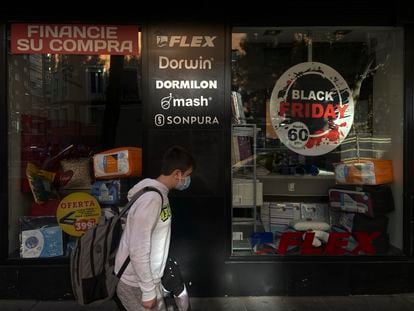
[
  {"x": 63, "y": 109},
  {"x": 317, "y": 148}
]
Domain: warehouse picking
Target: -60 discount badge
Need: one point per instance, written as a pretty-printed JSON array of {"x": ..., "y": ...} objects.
[
  {"x": 77, "y": 213},
  {"x": 311, "y": 108}
]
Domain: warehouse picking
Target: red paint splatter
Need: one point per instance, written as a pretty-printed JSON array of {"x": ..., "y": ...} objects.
[
  {"x": 315, "y": 141},
  {"x": 333, "y": 136}
]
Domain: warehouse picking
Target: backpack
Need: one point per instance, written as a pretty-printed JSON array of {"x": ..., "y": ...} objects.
[{"x": 92, "y": 261}]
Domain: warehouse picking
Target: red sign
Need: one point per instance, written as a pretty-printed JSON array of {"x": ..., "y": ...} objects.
[
  {"x": 74, "y": 39},
  {"x": 335, "y": 245}
]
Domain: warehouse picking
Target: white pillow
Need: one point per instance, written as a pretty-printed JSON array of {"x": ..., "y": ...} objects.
[{"x": 305, "y": 225}]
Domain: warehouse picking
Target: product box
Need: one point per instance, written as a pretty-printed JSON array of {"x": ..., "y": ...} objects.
[
  {"x": 42, "y": 243},
  {"x": 367, "y": 200},
  {"x": 282, "y": 214},
  {"x": 117, "y": 163},
  {"x": 265, "y": 216},
  {"x": 243, "y": 194},
  {"x": 107, "y": 192},
  {"x": 364, "y": 172},
  {"x": 378, "y": 224},
  {"x": 261, "y": 238},
  {"x": 314, "y": 211},
  {"x": 369, "y": 224},
  {"x": 342, "y": 220},
  {"x": 40, "y": 237}
]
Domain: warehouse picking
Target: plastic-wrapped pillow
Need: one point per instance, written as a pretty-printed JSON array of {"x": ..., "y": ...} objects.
[{"x": 81, "y": 178}]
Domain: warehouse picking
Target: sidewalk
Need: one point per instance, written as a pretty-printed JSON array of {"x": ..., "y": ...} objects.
[{"x": 403, "y": 302}]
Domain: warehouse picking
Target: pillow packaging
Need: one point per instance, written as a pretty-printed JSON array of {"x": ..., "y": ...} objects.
[
  {"x": 107, "y": 192},
  {"x": 40, "y": 237},
  {"x": 81, "y": 177},
  {"x": 364, "y": 172},
  {"x": 118, "y": 163}
]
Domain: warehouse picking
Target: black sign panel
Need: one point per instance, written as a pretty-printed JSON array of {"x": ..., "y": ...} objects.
[{"x": 186, "y": 76}]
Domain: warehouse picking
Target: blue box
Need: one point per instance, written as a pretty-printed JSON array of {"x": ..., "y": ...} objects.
[
  {"x": 107, "y": 192},
  {"x": 261, "y": 238},
  {"x": 42, "y": 243}
]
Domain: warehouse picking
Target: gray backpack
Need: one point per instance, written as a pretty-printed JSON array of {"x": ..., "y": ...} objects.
[{"x": 93, "y": 259}]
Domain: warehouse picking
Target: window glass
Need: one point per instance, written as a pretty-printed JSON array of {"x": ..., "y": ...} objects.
[
  {"x": 63, "y": 109},
  {"x": 317, "y": 141}
]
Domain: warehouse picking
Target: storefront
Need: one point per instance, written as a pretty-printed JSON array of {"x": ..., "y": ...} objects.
[{"x": 301, "y": 132}]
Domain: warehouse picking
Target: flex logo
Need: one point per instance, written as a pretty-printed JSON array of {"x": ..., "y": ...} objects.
[
  {"x": 186, "y": 41},
  {"x": 336, "y": 244},
  {"x": 165, "y": 213}
]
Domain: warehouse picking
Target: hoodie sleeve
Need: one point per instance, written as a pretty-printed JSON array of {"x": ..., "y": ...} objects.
[{"x": 141, "y": 223}]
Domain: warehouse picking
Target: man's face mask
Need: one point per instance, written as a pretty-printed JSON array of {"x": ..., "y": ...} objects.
[{"x": 183, "y": 183}]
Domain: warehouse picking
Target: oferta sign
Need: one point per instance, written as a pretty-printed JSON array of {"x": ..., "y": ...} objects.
[
  {"x": 312, "y": 109},
  {"x": 78, "y": 212}
]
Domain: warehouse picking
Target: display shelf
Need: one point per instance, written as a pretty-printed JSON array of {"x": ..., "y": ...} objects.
[
  {"x": 293, "y": 185},
  {"x": 248, "y": 223},
  {"x": 244, "y": 185},
  {"x": 297, "y": 177},
  {"x": 242, "y": 165},
  {"x": 242, "y": 205},
  {"x": 241, "y": 245}
]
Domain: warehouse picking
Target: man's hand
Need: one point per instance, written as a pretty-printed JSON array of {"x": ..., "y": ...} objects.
[{"x": 149, "y": 304}]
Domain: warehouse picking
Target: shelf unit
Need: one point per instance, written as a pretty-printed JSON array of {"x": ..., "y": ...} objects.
[{"x": 244, "y": 182}]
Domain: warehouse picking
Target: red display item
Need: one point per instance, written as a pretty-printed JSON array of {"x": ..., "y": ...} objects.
[
  {"x": 367, "y": 200},
  {"x": 44, "y": 209}
]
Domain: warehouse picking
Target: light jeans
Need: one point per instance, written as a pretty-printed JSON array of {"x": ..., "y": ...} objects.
[{"x": 131, "y": 297}]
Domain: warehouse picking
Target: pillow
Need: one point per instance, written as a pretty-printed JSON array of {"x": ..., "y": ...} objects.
[
  {"x": 117, "y": 163},
  {"x": 81, "y": 178},
  {"x": 305, "y": 225}
]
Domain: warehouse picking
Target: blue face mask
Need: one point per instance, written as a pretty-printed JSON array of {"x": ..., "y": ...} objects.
[{"x": 183, "y": 183}]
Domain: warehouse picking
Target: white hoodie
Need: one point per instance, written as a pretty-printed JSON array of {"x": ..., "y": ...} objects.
[{"x": 146, "y": 239}]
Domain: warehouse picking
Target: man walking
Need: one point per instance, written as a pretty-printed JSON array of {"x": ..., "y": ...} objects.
[{"x": 146, "y": 237}]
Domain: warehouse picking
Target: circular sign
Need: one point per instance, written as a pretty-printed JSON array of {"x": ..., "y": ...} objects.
[
  {"x": 78, "y": 212},
  {"x": 311, "y": 108}
]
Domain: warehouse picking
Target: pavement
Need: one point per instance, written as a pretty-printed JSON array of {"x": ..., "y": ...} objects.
[{"x": 402, "y": 302}]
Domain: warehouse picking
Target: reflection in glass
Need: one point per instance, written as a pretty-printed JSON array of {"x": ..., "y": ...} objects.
[{"x": 66, "y": 107}]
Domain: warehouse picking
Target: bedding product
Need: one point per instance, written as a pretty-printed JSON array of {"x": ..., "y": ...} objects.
[
  {"x": 305, "y": 225},
  {"x": 368, "y": 200},
  {"x": 364, "y": 172},
  {"x": 81, "y": 177},
  {"x": 118, "y": 163}
]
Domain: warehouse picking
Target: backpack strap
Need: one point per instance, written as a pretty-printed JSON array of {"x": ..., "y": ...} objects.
[
  {"x": 136, "y": 196},
  {"x": 126, "y": 209}
]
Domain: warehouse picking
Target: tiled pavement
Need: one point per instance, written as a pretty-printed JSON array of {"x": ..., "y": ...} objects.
[{"x": 403, "y": 302}]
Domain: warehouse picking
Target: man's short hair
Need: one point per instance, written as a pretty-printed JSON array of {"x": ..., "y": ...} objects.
[{"x": 176, "y": 158}]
